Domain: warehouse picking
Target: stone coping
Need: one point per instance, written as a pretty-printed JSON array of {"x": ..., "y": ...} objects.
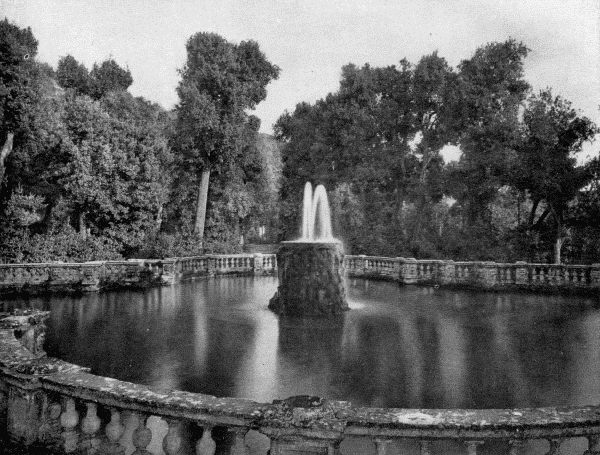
[{"x": 298, "y": 415}]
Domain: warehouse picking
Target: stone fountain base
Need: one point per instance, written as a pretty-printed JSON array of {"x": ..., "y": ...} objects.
[{"x": 310, "y": 279}]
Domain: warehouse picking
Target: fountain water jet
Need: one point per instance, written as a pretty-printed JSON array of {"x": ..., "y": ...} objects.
[
  {"x": 311, "y": 269},
  {"x": 315, "y": 213}
]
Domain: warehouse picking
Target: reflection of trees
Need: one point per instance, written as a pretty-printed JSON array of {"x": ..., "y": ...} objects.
[
  {"x": 126, "y": 335},
  {"x": 413, "y": 348},
  {"x": 309, "y": 356}
]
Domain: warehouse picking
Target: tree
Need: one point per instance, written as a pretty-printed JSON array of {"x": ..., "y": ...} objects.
[
  {"x": 219, "y": 82},
  {"x": 490, "y": 91},
  {"x": 375, "y": 143},
  {"x": 18, "y": 48},
  {"x": 108, "y": 77},
  {"x": 71, "y": 74},
  {"x": 553, "y": 132}
]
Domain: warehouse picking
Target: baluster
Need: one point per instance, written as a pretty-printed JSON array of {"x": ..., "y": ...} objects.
[
  {"x": 554, "y": 446},
  {"x": 114, "y": 430},
  {"x": 382, "y": 446},
  {"x": 141, "y": 436},
  {"x": 593, "y": 445},
  {"x": 90, "y": 425},
  {"x": 54, "y": 411},
  {"x": 69, "y": 420},
  {"x": 172, "y": 441},
  {"x": 206, "y": 445},
  {"x": 425, "y": 447},
  {"x": 516, "y": 446},
  {"x": 472, "y": 447},
  {"x": 239, "y": 444},
  {"x": 48, "y": 426}
]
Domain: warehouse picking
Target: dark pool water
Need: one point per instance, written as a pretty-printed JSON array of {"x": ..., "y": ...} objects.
[{"x": 412, "y": 347}]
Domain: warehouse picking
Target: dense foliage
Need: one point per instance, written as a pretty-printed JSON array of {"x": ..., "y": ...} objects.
[
  {"x": 517, "y": 192},
  {"x": 88, "y": 171},
  {"x": 91, "y": 172},
  {"x": 214, "y": 134}
]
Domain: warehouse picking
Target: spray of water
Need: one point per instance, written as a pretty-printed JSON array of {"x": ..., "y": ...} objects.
[{"x": 316, "y": 216}]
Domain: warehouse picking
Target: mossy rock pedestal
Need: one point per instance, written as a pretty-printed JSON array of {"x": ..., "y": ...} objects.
[{"x": 311, "y": 280}]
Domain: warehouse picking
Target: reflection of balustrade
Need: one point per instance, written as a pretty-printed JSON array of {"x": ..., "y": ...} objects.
[{"x": 54, "y": 404}]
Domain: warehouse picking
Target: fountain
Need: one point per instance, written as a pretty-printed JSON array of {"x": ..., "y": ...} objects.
[{"x": 311, "y": 268}]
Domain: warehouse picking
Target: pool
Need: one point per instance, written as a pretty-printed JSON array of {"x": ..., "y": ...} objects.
[{"x": 398, "y": 346}]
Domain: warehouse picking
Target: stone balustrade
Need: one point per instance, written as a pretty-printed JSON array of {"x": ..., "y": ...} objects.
[
  {"x": 53, "y": 406},
  {"x": 483, "y": 275},
  {"x": 93, "y": 276}
]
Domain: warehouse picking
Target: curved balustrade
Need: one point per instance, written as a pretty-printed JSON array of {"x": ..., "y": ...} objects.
[
  {"x": 56, "y": 404},
  {"x": 486, "y": 275},
  {"x": 93, "y": 276},
  {"x": 60, "y": 405}
]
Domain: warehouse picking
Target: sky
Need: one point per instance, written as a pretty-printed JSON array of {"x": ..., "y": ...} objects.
[{"x": 310, "y": 40}]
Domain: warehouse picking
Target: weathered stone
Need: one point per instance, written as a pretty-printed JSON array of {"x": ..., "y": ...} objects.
[
  {"x": 29, "y": 329},
  {"x": 408, "y": 270},
  {"x": 311, "y": 281}
]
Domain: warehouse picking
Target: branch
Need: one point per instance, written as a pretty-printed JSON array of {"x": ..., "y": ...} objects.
[
  {"x": 532, "y": 213},
  {"x": 538, "y": 223}
]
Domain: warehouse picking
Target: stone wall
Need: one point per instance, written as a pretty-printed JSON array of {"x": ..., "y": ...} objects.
[
  {"x": 94, "y": 276},
  {"x": 478, "y": 275}
]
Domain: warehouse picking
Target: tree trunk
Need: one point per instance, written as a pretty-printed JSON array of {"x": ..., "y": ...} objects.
[
  {"x": 201, "y": 204},
  {"x": 159, "y": 218},
  {"x": 422, "y": 198},
  {"x": 82, "y": 227},
  {"x": 6, "y": 150},
  {"x": 557, "y": 248}
]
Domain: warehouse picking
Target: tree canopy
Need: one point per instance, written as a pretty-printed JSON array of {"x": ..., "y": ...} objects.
[
  {"x": 376, "y": 143},
  {"x": 219, "y": 82},
  {"x": 88, "y": 171}
]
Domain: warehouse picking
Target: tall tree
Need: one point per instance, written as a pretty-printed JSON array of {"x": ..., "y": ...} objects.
[
  {"x": 547, "y": 169},
  {"x": 491, "y": 90},
  {"x": 18, "y": 48},
  {"x": 219, "y": 82}
]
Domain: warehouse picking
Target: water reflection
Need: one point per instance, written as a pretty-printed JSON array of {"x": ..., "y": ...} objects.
[{"x": 397, "y": 347}]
